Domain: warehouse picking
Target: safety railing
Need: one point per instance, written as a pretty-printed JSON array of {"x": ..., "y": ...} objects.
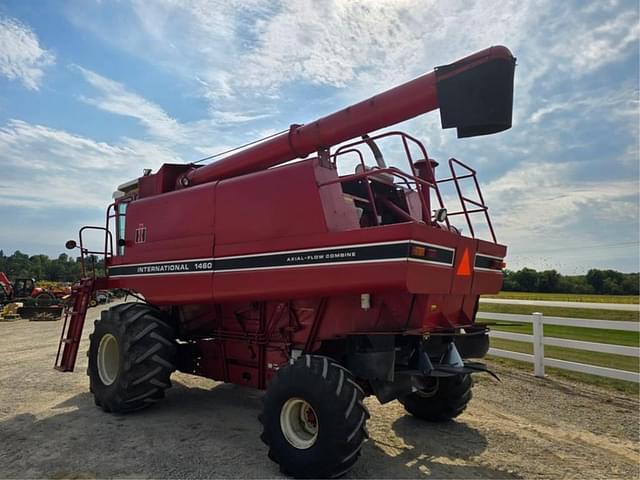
[
  {"x": 476, "y": 206},
  {"x": 421, "y": 185},
  {"x": 378, "y": 172},
  {"x": 539, "y": 340},
  {"x": 424, "y": 182},
  {"x": 86, "y": 253}
]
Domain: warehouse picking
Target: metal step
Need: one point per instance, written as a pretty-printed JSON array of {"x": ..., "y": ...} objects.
[{"x": 73, "y": 324}]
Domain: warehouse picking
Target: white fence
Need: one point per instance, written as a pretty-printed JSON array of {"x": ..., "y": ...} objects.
[{"x": 539, "y": 341}]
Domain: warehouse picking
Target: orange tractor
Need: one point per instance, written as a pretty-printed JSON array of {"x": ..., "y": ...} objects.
[{"x": 37, "y": 301}]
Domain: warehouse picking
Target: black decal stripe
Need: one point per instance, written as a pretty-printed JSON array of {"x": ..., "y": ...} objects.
[
  {"x": 435, "y": 254},
  {"x": 316, "y": 257},
  {"x": 487, "y": 263},
  {"x": 400, "y": 251}
]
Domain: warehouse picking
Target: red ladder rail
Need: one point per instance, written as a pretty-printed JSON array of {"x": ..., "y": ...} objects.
[{"x": 73, "y": 324}]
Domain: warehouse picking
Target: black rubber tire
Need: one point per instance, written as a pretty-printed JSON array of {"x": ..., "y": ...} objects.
[
  {"x": 449, "y": 401},
  {"x": 338, "y": 403},
  {"x": 147, "y": 353},
  {"x": 44, "y": 299}
]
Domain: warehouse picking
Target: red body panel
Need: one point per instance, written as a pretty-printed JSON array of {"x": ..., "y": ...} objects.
[{"x": 283, "y": 210}]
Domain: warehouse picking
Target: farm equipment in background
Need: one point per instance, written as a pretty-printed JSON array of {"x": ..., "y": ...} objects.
[
  {"x": 38, "y": 303},
  {"x": 100, "y": 297},
  {"x": 320, "y": 287}
]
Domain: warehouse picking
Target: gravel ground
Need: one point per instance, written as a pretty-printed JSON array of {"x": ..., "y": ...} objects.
[{"x": 520, "y": 428}]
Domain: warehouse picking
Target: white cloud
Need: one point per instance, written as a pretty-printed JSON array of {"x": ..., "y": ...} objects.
[
  {"x": 21, "y": 56},
  {"x": 227, "y": 117},
  {"x": 243, "y": 56},
  {"x": 204, "y": 135},
  {"x": 541, "y": 206},
  {"x": 370, "y": 44},
  {"x": 45, "y": 167},
  {"x": 620, "y": 103},
  {"x": 115, "y": 98},
  {"x": 601, "y": 44}
]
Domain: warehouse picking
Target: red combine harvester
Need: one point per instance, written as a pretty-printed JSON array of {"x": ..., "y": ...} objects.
[{"x": 318, "y": 287}]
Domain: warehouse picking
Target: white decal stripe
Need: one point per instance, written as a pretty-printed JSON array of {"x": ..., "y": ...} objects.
[
  {"x": 488, "y": 256},
  {"x": 431, "y": 262},
  {"x": 160, "y": 273},
  {"x": 492, "y": 270},
  {"x": 441, "y": 247},
  {"x": 165, "y": 262}
]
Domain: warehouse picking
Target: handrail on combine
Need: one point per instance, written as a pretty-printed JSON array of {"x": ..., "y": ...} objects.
[
  {"x": 376, "y": 172},
  {"x": 422, "y": 185},
  {"x": 481, "y": 206},
  {"x": 106, "y": 253}
]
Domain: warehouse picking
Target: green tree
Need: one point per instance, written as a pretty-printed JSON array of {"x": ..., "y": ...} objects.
[
  {"x": 527, "y": 280},
  {"x": 548, "y": 281},
  {"x": 595, "y": 278}
]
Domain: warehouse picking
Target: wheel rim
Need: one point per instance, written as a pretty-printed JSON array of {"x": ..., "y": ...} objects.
[
  {"x": 299, "y": 423},
  {"x": 429, "y": 392},
  {"x": 108, "y": 359}
]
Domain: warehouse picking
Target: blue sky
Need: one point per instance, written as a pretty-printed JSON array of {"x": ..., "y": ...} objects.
[{"x": 92, "y": 92}]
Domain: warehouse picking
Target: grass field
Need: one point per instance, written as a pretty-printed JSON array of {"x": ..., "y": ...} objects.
[
  {"x": 610, "y": 383},
  {"x": 581, "y": 356},
  {"x": 568, "y": 297},
  {"x": 615, "y": 337},
  {"x": 595, "y": 314}
]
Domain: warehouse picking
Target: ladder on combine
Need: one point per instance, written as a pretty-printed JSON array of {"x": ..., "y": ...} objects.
[{"x": 73, "y": 323}]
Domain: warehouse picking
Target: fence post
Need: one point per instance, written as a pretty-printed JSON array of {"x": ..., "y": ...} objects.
[{"x": 538, "y": 345}]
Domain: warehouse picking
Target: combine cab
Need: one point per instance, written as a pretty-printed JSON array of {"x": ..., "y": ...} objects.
[{"x": 323, "y": 281}]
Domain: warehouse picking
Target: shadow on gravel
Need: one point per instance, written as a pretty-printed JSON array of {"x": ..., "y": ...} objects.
[
  {"x": 203, "y": 433},
  {"x": 436, "y": 450},
  {"x": 194, "y": 432}
]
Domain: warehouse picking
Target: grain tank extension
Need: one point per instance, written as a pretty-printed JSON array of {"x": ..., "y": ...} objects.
[{"x": 321, "y": 265}]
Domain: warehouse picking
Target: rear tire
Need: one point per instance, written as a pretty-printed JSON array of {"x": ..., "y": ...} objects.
[
  {"x": 131, "y": 357},
  {"x": 313, "y": 418},
  {"x": 450, "y": 399}
]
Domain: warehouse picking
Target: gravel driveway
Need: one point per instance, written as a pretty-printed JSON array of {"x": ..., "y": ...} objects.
[{"x": 520, "y": 428}]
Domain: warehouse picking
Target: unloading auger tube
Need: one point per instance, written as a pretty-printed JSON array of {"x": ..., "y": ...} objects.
[{"x": 474, "y": 95}]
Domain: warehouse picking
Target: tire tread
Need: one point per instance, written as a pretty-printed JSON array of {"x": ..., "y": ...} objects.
[
  {"x": 337, "y": 388},
  {"x": 148, "y": 349}
]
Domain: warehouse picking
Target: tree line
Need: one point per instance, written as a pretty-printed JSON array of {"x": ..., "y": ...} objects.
[
  {"x": 610, "y": 282},
  {"x": 606, "y": 282},
  {"x": 41, "y": 267}
]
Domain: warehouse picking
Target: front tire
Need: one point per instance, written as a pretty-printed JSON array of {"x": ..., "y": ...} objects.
[
  {"x": 447, "y": 402},
  {"x": 314, "y": 419},
  {"x": 131, "y": 357}
]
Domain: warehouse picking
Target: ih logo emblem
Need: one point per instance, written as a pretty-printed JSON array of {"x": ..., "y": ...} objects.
[{"x": 141, "y": 233}]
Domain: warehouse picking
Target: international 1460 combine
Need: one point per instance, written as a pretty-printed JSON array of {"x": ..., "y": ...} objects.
[{"x": 322, "y": 288}]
